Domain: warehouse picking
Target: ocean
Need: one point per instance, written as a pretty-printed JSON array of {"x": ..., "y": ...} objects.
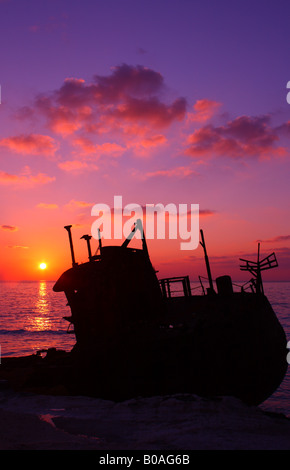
[{"x": 31, "y": 319}]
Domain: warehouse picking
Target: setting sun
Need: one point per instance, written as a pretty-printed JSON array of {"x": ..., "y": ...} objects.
[{"x": 42, "y": 266}]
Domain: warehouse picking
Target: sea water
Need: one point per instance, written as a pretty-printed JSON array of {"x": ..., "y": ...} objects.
[{"x": 31, "y": 319}]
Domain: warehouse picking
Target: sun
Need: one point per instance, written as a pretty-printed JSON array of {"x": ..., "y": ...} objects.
[{"x": 43, "y": 266}]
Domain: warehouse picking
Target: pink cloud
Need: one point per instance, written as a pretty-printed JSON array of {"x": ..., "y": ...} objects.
[
  {"x": 179, "y": 172},
  {"x": 9, "y": 228},
  {"x": 203, "y": 110},
  {"x": 110, "y": 148},
  {"x": 76, "y": 166},
  {"x": 206, "y": 212},
  {"x": 154, "y": 141},
  {"x": 74, "y": 204},
  {"x": 143, "y": 147},
  {"x": 129, "y": 95},
  {"x": 242, "y": 137},
  {"x": 31, "y": 144},
  {"x": 26, "y": 179},
  {"x": 63, "y": 120},
  {"x": 43, "y": 205},
  {"x": 278, "y": 239},
  {"x": 86, "y": 146},
  {"x": 151, "y": 111},
  {"x": 127, "y": 80},
  {"x": 89, "y": 152},
  {"x": 284, "y": 128},
  {"x": 21, "y": 247}
]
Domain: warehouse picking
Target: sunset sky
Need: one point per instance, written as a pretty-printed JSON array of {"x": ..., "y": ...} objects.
[{"x": 164, "y": 101}]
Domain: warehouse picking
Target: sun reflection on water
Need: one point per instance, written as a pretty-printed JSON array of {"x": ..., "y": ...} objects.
[
  {"x": 42, "y": 301},
  {"x": 40, "y": 320}
]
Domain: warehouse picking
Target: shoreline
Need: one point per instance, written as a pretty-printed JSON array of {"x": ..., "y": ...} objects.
[{"x": 179, "y": 422}]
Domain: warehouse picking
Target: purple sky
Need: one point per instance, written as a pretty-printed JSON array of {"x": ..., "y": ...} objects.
[{"x": 158, "y": 101}]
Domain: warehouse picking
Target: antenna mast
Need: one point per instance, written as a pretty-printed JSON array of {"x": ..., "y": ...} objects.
[
  {"x": 211, "y": 289},
  {"x": 255, "y": 268}
]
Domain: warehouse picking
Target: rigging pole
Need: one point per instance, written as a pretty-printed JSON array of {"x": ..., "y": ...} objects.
[{"x": 206, "y": 263}]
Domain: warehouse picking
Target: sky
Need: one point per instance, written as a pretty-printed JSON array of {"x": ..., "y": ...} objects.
[{"x": 159, "y": 102}]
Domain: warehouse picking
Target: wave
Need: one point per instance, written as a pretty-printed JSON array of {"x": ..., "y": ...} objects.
[{"x": 32, "y": 332}]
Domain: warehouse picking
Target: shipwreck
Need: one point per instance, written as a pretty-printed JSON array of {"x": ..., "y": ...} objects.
[{"x": 135, "y": 338}]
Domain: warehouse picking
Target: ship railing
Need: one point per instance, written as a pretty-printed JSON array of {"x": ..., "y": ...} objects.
[
  {"x": 168, "y": 287},
  {"x": 249, "y": 285},
  {"x": 181, "y": 287}
]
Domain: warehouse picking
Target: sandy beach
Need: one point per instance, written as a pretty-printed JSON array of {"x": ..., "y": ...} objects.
[{"x": 185, "y": 422}]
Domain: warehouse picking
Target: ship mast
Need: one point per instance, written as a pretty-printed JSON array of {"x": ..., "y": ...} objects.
[
  {"x": 68, "y": 229},
  {"x": 255, "y": 268},
  {"x": 259, "y": 284},
  {"x": 137, "y": 225},
  {"x": 87, "y": 238},
  {"x": 211, "y": 289}
]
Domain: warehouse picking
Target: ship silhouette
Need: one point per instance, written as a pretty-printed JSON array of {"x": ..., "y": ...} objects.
[{"x": 135, "y": 338}]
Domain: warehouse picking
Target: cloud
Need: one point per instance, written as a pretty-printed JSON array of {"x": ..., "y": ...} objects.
[
  {"x": 79, "y": 225},
  {"x": 110, "y": 149},
  {"x": 31, "y": 144},
  {"x": 206, "y": 212},
  {"x": 26, "y": 179},
  {"x": 63, "y": 120},
  {"x": 9, "y": 228},
  {"x": 18, "y": 247},
  {"x": 44, "y": 205},
  {"x": 86, "y": 146},
  {"x": 77, "y": 166},
  {"x": 283, "y": 251},
  {"x": 130, "y": 95},
  {"x": 203, "y": 110},
  {"x": 154, "y": 141},
  {"x": 143, "y": 147},
  {"x": 151, "y": 110},
  {"x": 179, "y": 172},
  {"x": 278, "y": 239},
  {"x": 244, "y": 136},
  {"x": 88, "y": 153},
  {"x": 126, "y": 80},
  {"x": 284, "y": 128},
  {"x": 73, "y": 204},
  {"x": 130, "y": 110}
]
